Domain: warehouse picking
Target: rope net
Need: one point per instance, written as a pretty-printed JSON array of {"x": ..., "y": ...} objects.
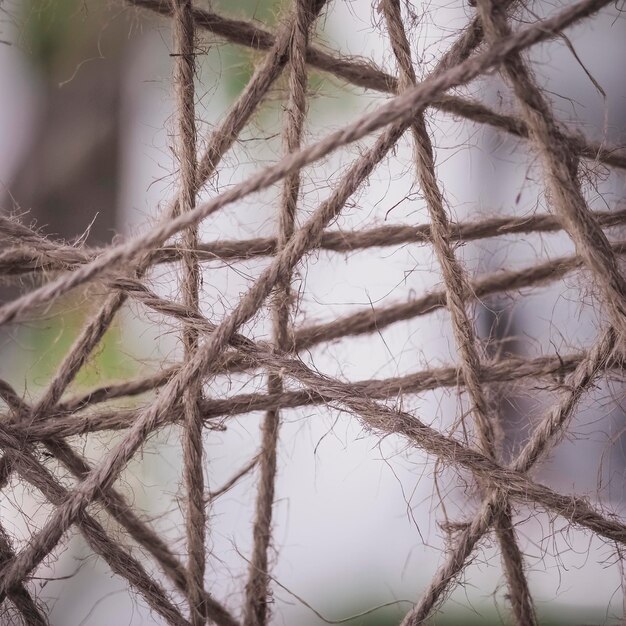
[{"x": 39, "y": 438}]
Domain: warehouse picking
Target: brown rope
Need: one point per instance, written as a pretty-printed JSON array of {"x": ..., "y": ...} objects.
[
  {"x": 544, "y": 436},
  {"x": 545, "y": 372},
  {"x": 120, "y": 561},
  {"x": 387, "y": 420},
  {"x": 20, "y": 260},
  {"x": 366, "y": 75},
  {"x": 222, "y": 138},
  {"x": 19, "y": 595},
  {"x": 257, "y": 587},
  {"x": 398, "y": 110},
  {"x": 212, "y": 349},
  {"x": 560, "y": 168},
  {"x": 192, "y": 444},
  {"x": 457, "y": 291}
]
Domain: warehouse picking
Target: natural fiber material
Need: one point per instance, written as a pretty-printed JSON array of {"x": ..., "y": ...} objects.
[
  {"x": 210, "y": 348},
  {"x": 257, "y": 587}
]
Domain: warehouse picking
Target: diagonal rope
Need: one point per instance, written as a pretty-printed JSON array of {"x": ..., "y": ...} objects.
[
  {"x": 560, "y": 167},
  {"x": 103, "y": 476},
  {"x": 214, "y": 349},
  {"x": 381, "y": 419},
  {"x": 399, "y": 109},
  {"x": 19, "y": 595},
  {"x": 457, "y": 291},
  {"x": 366, "y": 75},
  {"x": 222, "y": 138},
  {"x": 115, "y": 504},
  {"x": 385, "y": 420},
  {"x": 545, "y": 371},
  {"x": 543, "y": 438},
  {"x": 512, "y": 369},
  {"x": 119, "y": 560}
]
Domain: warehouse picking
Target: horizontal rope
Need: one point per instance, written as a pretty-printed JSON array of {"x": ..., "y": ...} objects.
[
  {"x": 56, "y": 256},
  {"x": 546, "y": 371},
  {"x": 384, "y": 419},
  {"x": 368, "y": 321}
]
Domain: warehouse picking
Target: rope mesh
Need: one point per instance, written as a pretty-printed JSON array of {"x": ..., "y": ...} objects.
[{"x": 28, "y": 430}]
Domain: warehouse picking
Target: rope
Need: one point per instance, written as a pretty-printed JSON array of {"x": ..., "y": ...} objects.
[{"x": 211, "y": 349}]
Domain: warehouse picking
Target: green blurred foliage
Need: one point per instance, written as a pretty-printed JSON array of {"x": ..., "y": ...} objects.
[
  {"x": 58, "y": 37},
  {"x": 58, "y": 34},
  {"x": 52, "y": 31},
  {"x": 50, "y": 341},
  {"x": 554, "y": 615},
  {"x": 238, "y": 61}
]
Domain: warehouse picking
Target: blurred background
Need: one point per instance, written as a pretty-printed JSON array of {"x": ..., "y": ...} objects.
[{"x": 86, "y": 129}]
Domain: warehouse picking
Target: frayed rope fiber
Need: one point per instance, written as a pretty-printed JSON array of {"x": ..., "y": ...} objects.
[{"x": 178, "y": 592}]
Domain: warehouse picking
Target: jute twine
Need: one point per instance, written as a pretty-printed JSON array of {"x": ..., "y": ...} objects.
[{"x": 180, "y": 597}]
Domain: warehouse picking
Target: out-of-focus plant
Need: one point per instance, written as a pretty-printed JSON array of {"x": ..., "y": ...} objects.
[{"x": 67, "y": 180}]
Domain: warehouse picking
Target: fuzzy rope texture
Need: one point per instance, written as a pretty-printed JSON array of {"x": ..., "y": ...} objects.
[{"x": 177, "y": 394}]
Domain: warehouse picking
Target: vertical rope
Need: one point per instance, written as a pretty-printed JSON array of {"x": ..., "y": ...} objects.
[
  {"x": 102, "y": 476},
  {"x": 396, "y": 110},
  {"x": 118, "y": 558},
  {"x": 193, "y": 467},
  {"x": 457, "y": 291},
  {"x": 257, "y": 588}
]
